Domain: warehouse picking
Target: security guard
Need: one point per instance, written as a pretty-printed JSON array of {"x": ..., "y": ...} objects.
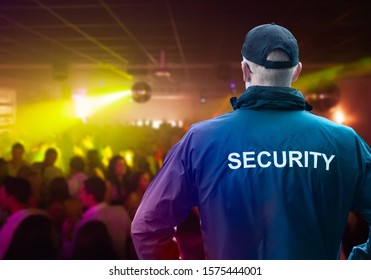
[{"x": 270, "y": 179}]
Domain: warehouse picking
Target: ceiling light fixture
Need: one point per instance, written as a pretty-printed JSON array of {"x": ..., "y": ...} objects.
[{"x": 162, "y": 71}]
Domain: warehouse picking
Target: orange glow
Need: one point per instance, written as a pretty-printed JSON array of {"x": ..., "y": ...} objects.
[{"x": 339, "y": 116}]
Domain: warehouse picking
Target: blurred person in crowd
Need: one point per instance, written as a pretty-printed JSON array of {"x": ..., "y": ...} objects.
[
  {"x": 144, "y": 157},
  {"x": 93, "y": 242},
  {"x": 270, "y": 179},
  {"x": 17, "y": 160},
  {"x": 47, "y": 168},
  {"x": 119, "y": 181},
  {"x": 115, "y": 217},
  {"x": 94, "y": 164},
  {"x": 77, "y": 175},
  {"x": 38, "y": 193},
  {"x": 28, "y": 232},
  {"x": 61, "y": 205},
  {"x": 141, "y": 181}
]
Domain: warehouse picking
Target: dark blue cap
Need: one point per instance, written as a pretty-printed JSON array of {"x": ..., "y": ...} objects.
[{"x": 263, "y": 39}]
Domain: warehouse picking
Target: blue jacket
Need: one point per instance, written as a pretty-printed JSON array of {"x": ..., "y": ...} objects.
[{"x": 271, "y": 181}]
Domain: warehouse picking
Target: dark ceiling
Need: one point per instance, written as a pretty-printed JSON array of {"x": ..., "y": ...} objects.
[{"x": 200, "y": 39}]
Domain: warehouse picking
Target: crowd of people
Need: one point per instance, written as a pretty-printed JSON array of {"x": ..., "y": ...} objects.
[{"x": 83, "y": 210}]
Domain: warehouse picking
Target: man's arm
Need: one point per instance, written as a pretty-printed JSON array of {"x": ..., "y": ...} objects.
[
  {"x": 363, "y": 202},
  {"x": 167, "y": 202}
]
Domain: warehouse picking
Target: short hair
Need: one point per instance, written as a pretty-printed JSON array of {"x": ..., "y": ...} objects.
[
  {"x": 17, "y": 145},
  {"x": 112, "y": 165},
  {"x": 96, "y": 187},
  {"x": 18, "y": 188},
  {"x": 273, "y": 77},
  {"x": 77, "y": 163},
  {"x": 51, "y": 151},
  {"x": 58, "y": 188}
]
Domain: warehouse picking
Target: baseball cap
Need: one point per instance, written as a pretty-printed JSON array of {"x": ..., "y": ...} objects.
[{"x": 263, "y": 39}]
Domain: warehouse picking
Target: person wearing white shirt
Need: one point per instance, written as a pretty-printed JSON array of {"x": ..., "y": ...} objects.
[
  {"x": 14, "y": 195},
  {"x": 77, "y": 176},
  {"x": 115, "y": 217}
]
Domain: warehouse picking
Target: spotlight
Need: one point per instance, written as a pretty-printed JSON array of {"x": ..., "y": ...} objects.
[
  {"x": 203, "y": 96},
  {"x": 339, "y": 116},
  {"x": 203, "y": 100},
  {"x": 162, "y": 70}
]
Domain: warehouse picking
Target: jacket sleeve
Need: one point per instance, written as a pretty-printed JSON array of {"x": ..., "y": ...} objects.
[
  {"x": 362, "y": 203},
  {"x": 166, "y": 203}
]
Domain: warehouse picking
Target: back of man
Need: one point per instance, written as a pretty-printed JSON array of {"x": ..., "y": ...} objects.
[
  {"x": 277, "y": 189},
  {"x": 270, "y": 179},
  {"x": 268, "y": 189},
  {"x": 48, "y": 170}
]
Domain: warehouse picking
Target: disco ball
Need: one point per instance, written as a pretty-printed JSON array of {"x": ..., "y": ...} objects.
[
  {"x": 141, "y": 92},
  {"x": 323, "y": 96}
]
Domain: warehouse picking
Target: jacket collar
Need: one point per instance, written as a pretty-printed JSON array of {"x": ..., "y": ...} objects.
[{"x": 271, "y": 98}]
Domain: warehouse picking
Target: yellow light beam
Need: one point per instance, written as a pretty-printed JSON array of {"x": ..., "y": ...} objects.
[{"x": 86, "y": 106}]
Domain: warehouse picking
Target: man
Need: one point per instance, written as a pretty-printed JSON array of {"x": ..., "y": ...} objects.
[
  {"x": 47, "y": 168},
  {"x": 17, "y": 160},
  {"x": 270, "y": 179},
  {"x": 27, "y": 232},
  {"x": 77, "y": 175},
  {"x": 115, "y": 218}
]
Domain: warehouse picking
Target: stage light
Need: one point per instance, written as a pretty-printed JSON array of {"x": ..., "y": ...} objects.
[
  {"x": 339, "y": 116},
  {"x": 129, "y": 157},
  {"x": 82, "y": 109},
  {"x": 139, "y": 122},
  {"x": 156, "y": 124},
  {"x": 162, "y": 70},
  {"x": 162, "y": 73},
  {"x": 203, "y": 100},
  {"x": 85, "y": 105}
]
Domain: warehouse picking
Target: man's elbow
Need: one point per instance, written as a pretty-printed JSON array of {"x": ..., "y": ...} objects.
[{"x": 153, "y": 244}]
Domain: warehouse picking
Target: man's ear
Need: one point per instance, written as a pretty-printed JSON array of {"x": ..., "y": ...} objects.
[
  {"x": 246, "y": 72},
  {"x": 297, "y": 72}
]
